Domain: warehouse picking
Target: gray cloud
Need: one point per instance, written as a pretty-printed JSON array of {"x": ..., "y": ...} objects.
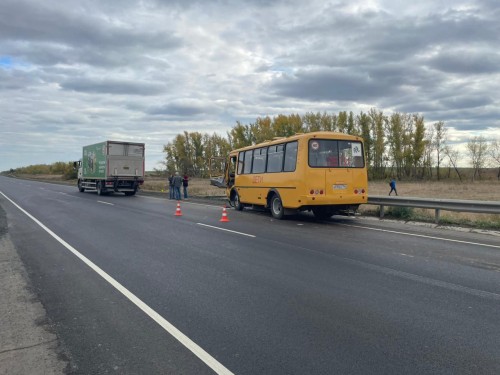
[
  {"x": 467, "y": 62},
  {"x": 181, "y": 108},
  {"x": 64, "y": 23},
  {"x": 332, "y": 85},
  {"x": 113, "y": 86}
]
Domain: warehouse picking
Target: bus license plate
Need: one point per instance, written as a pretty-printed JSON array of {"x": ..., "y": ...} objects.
[{"x": 339, "y": 187}]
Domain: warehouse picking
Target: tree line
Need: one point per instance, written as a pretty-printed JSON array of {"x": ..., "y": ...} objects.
[
  {"x": 65, "y": 169},
  {"x": 399, "y": 145}
]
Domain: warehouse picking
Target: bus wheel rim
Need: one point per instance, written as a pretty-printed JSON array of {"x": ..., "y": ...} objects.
[{"x": 276, "y": 205}]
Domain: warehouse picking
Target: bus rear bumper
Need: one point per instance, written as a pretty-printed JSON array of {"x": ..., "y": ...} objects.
[{"x": 309, "y": 200}]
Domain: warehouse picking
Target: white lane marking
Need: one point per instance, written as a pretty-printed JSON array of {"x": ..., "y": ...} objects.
[
  {"x": 111, "y": 204},
  {"x": 184, "y": 202},
  {"x": 63, "y": 193},
  {"x": 226, "y": 230},
  {"x": 422, "y": 236},
  {"x": 166, "y": 325}
]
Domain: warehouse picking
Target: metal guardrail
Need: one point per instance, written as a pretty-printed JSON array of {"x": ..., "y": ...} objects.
[{"x": 483, "y": 207}]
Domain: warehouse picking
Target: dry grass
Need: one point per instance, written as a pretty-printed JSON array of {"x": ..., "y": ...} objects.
[
  {"x": 42, "y": 177},
  {"x": 479, "y": 190},
  {"x": 197, "y": 186}
]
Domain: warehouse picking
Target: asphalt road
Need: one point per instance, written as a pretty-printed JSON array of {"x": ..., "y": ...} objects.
[{"x": 130, "y": 288}]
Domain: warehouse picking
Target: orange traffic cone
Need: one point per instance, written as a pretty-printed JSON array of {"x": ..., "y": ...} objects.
[
  {"x": 224, "y": 218},
  {"x": 178, "y": 211}
]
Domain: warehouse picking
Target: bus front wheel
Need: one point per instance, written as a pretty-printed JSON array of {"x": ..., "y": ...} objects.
[
  {"x": 238, "y": 206},
  {"x": 277, "y": 209}
]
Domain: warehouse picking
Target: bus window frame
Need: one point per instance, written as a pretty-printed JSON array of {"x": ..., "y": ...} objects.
[
  {"x": 295, "y": 157},
  {"x": 282, "y": 152},
  {"x": 258, "y": 152}
]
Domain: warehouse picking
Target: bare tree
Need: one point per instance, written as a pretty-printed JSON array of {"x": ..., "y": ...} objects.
[
  {"x": 494, "y": 151},
  {"x": 439, "y": 143},
  {"x": 428, "y": 157},
  {"x": 477, "y": 149},
  {"x": 453, "y": 157}
]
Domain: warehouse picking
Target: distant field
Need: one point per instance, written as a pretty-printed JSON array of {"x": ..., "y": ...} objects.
[{"x": 478, "y": 190}]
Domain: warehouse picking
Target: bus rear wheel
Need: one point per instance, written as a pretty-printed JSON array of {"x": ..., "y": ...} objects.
[{"x": 277, "y": 209}]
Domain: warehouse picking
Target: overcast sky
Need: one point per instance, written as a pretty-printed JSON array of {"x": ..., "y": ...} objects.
[{"x": 74, "y": 73}]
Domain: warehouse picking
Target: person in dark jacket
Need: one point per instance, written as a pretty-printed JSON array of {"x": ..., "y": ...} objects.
[
  {"x": 185, "y": 181},
  {"x": 171, "y": 186},
  {"x": 177, "y": 182},
  {"x": 393, "y": 186}
]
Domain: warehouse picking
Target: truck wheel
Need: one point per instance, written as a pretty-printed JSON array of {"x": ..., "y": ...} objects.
[
  {"x": 99, "y": 188},
  {"x": 80, "y": 188},
  {"x": 277, "y": 209}
]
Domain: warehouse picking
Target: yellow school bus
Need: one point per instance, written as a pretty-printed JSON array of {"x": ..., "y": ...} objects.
[{"x": 323, "y": 172}]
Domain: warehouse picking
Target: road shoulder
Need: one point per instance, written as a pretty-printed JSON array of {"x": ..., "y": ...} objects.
[{"x": 27, "y": 345}]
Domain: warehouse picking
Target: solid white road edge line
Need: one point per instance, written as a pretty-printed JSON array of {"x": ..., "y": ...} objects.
[
  {"x": 227, "y": 230},
  {"x": 167, "y": 326},
  {"x": 422, "y": 235}
]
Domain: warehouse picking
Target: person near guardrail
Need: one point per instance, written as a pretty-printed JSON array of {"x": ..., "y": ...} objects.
[{"x": 392, "y": 184}]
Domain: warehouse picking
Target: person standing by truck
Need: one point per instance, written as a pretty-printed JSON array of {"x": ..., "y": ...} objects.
[
  {"x": 185, "y": 182},
  {"x": 171, "y": 186},
  {"x": 177, "y": 182}
]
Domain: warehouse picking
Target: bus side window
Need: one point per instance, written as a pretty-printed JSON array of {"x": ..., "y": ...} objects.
[
  {"x": 290, "y": 157},
  {"x": 241, "y": 162}
]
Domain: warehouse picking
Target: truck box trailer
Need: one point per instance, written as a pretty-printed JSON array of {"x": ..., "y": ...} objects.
[{"x": 111, "y": 166}]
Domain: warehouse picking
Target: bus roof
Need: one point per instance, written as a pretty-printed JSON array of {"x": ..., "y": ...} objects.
[{"x": 320, "y": 134}]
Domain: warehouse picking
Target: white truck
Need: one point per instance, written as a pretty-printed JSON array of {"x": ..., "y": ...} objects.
[{"x": 111, "y": 166}]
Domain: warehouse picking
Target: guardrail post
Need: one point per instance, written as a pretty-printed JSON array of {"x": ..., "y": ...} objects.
[
  {"x": 438, "y": 213},
  {"x": 381, "y": 211}
]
